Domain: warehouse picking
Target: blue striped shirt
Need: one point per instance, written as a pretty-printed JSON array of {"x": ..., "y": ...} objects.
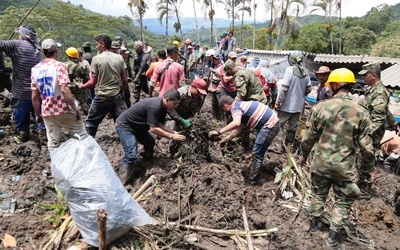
[
  {"x": 24, "y": 56},
  {"x": 254, "y": 114}
]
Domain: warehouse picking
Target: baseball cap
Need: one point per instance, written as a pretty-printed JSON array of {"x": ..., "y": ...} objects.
[
  {"x": 217, "y": 56},
  {"x": 232, "y": 54},
  {"x": 115, "y": 45},
  {"x": 50, "y": 45},
  {"x": 200, "y": 85},
  {"x": 323, "y": 70},
  {"x": 190, "y": 47},
  {"x": 229, "y": 64},
  {"x": 370, "y": 67}
]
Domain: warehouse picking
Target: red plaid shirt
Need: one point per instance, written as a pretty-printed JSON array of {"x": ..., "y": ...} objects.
[{"x": 47, "y": 77}]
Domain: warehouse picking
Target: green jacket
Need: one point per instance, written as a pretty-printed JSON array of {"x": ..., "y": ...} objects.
[
  {"x": 338, "y": 129},
  {"x": 248, "y": 86},
  {"x": 377, "y": 100}
]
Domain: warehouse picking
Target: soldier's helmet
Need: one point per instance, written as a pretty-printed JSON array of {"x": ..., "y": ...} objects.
[
  {"x": 72, "y": 52},
  {"x": 341, "y": 75}
]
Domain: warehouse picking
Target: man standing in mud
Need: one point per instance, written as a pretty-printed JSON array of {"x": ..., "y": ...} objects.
[
  {"x": 135, "y": 125},
  {"x": 52, "y": 100},
  {"x": 140, "y": 67},
  {"x": 337, "y": 129},
  {"x": 255, "y": 115},
  {"x": 24, "y": 54},
  {"x": 108, "y": 73}
]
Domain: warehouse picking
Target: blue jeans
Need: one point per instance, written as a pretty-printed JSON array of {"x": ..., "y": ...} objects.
[
  {"x": 22, "y": 115},
  {"x": 264, "y": 138},
  {"x": 129, "y": 142},
  {"x": 101, "y": 106}
]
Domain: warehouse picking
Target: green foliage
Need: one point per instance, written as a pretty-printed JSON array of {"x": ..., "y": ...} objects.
[
  {"x": 60, "y": 209},
  {"x": 358, "y": 41}
]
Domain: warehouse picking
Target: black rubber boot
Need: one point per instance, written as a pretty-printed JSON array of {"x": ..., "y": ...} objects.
[
  {"x": 125, "y": 173},
  {"x": 91, "y": 131},
  {"x": 289, "y": 137},
  {"x": 148, "y": 154},
  {"x": 255, "y": 171},
  {"x": 333, "y": 240},
  {"x": 24, "y": 136}
]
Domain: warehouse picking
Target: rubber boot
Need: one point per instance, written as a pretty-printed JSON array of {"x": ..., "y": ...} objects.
[
  {"x": 125, "y": 173},
  {"x": 254, "y": 171},
  {"x": 289, "y": 137},
  {"x": 24, "y": 136},
  {"x": 91, "y": 131},
  {"x": 148, "y": 154},
  {"x": 333, "y": 240}
]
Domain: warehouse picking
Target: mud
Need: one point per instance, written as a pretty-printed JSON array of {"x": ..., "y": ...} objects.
[{"x": 201, "y": 186}]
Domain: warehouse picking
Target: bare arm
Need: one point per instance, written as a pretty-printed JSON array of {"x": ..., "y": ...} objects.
[
  {"x": 36, "y": 104},
  {"x": 70, "y": 100},
  {"x": 166, "y": 132},
  {"x": 91, "y": 83}
]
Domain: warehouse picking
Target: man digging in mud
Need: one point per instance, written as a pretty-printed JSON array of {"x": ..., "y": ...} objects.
[
  {"x": 337, "y": 129},
  {"x": 255, "y": 115},
  {"x": 134, "y": 125}
]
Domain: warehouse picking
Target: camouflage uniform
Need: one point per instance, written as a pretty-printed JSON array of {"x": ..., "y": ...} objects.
[
  {"x": 377, "y": 99},
  {"x": 339, "y": 129},
  {"x": 78, "y": 72},
  {"x": 249, "y": 86}
]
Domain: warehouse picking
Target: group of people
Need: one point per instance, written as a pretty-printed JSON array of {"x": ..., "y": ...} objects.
[{"x": 341, "y": 140}]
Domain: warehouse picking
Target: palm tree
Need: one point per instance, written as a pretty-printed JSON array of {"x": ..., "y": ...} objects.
[
  {"x": 197, "y": 24},
  {"x": 209, "y": 13},
  {"x": 164, "y": 10},
  {"x": 140, "y": 7},
  {"x": 328, "y": 6},
  {"x": 254, "y": 23},
  {"x": 230, "y": 6},
  {"x": 243, "y": 9}
]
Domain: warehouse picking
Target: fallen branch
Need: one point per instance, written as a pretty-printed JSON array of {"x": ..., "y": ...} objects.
[
  {"x": 246, "y": 227},
  {"x": 144, "y": 187},
  {"x": 263, "y": 232}
]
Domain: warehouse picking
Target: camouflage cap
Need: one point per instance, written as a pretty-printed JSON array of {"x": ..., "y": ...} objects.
[
  {"x": 115, "y": 45},
  {"x": 370, "y": 67},
  {"x": 86, "y": 44},
  {"x": 229, "y": 64}
]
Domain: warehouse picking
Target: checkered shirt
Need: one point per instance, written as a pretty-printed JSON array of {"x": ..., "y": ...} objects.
[{"x": 47, "y": 77}]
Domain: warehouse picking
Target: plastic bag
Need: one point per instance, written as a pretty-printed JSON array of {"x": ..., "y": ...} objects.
[{"x": 88, "y": 183}]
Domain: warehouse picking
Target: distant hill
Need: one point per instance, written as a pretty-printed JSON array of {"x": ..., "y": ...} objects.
[{"x": 188, "y": 24}]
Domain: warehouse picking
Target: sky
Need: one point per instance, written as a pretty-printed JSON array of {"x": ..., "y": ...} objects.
[{"x": 119, "y": 8}]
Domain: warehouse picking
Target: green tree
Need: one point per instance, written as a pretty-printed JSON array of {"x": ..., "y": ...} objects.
[
  {"x": 138, "y": 8},
  {"x": 163, "y": 9},
  {"x": 358, "y": 41},
  {"x": 209, "y": 13},
  {"x": 378, "y": 17},
  {"x": 230, "y": 6}
]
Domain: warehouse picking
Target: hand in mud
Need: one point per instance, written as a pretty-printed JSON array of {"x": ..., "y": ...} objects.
[
  {"x": 213, "y": 134},
  {"x": 178, "y": 137},
  {"x": 39, "y": 119},
  {"x": 224, "y": 141},
  {"x": 372, "y": 177},
  {"x": 78, "y": 115}
]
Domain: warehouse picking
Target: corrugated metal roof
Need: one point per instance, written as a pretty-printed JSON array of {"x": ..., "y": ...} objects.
[
  {"x": 329, "y": 58},
  {"x": 390, "y": 76}
]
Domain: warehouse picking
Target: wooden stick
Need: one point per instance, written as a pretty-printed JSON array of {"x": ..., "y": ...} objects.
[
  {"x": 246, "y": 227},
  {"x": 263, "y": 232},
  {"x": 143, "y": 187},
  {"x": 179, "y": 200},
  {"x": 102, "y": 223}
]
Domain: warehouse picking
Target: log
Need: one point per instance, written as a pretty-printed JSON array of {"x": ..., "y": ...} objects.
[
  {"x": 102, "y": 223},
  {"x": 246, "y": 227},
  {"x": 144, "y": 187}
]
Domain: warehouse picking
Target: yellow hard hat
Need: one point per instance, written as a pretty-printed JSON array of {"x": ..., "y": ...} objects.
[
  {"x": 341, "y": 75},
  {"x": 72, "y": 52},
  {"x": 176, "y": 43}
]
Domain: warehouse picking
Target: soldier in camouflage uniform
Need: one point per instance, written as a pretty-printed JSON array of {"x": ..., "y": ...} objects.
[
  {"x": 77, "y": 74},
  {"x": 248, "y": 88},
  {"x": 377, "y": 101},
  {"x": 337, "y": 129}
]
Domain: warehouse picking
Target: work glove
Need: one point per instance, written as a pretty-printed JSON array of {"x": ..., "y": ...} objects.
[{"x": 185, "y": 123}]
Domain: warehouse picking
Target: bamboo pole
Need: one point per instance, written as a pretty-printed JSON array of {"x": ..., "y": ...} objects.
[
  {"x": 102, "y": 223},
  {"x": 23, "y": 19},
  {"x": 144, "y": 187},
  {"x": 246, "y": 227}
]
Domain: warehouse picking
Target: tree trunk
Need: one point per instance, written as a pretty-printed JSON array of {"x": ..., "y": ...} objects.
[
  {"x": 241, "y": 30},
  {"x": 197, "y": 24},
  {"x": 212, "y": 23},
  {"x": 254, "y": 24},
  {"x": 141, "y": 27},
  {"x": 233, "y": 15},
  {"x": 166, "y": 22}
]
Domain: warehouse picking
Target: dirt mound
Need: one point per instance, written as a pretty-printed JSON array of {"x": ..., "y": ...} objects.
[{"x": 197, "y": 196}]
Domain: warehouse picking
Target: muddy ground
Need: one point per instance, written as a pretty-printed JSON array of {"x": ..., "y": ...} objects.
[{"x": 211, "y": 190}]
